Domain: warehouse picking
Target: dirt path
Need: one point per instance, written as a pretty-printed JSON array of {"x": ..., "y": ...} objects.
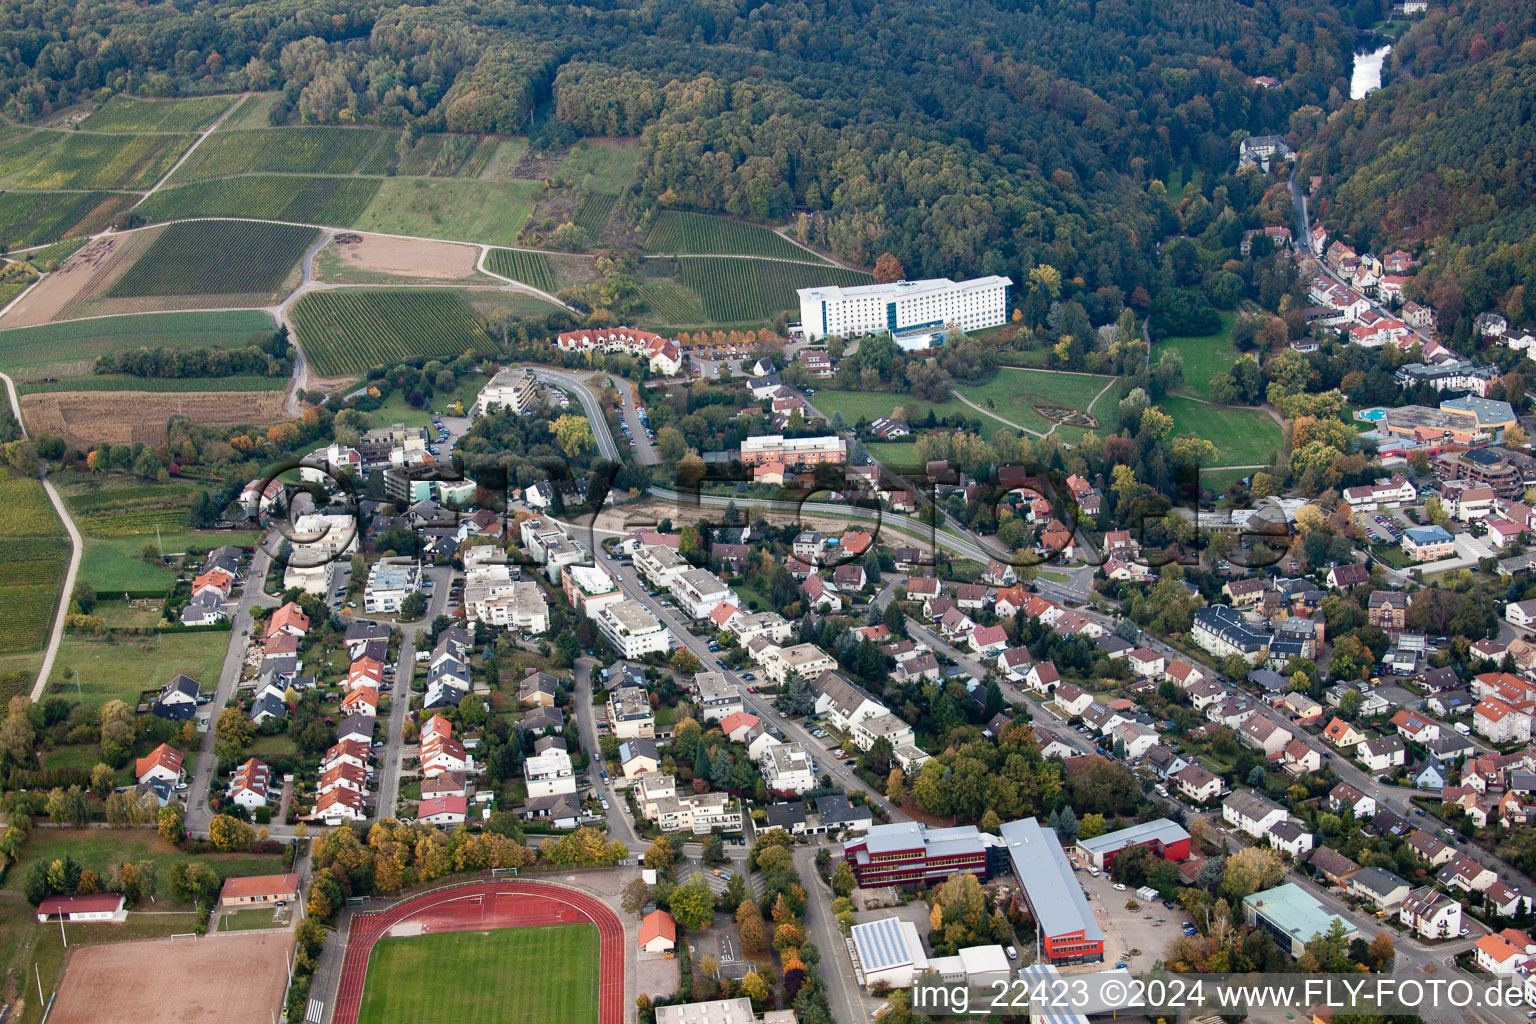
[
  {"x": 76, "y": 549},
  {"x": 1002, "y": 419},
  {"x": 191, "y": 149}
]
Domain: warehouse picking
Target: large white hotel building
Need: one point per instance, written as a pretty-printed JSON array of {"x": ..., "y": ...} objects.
[{"x": 912, "y": 311}]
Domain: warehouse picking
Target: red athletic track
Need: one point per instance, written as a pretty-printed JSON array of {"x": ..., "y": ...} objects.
[{"x": 476, "y": 906}]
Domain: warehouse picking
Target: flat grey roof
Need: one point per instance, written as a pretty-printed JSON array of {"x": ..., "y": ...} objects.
[{"x": 1041, "y": 867}]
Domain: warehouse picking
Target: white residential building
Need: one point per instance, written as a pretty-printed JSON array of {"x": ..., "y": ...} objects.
[
  {"x": 589, "y": 589},
  {"x": 520, "y": 605},
  {"x": 698, "y": 591},
  {"x": 787, "y": 769},
  {"x": 513, "y": 388},
  {"x": 904, "y": 306},
  {"x": 718, "y": 699},
  {"x": 390, "y": 582},
  {"x": 1431, "y": 913},
  {"x": 632, "y": 630},
  {"x": 549, "y": 773},
  {"x": 660, "y": 566}
]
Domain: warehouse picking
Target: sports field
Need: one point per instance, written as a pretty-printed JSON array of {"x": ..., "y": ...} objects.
[
  {"x": 1243, "y": 437},
  {"x": 235, "y": 978},
  {"x": 540, "y": 975},
  {"x": 1204, "y": 357}
]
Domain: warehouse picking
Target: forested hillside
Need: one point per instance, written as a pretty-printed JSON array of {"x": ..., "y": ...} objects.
[
  {"x": 968, "y": 137},
  {"x": 1439, "y": 161}
]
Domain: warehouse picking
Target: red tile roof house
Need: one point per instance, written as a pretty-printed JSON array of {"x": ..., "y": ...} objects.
[
  {"x": 658, "y": 932},
  {"x": 443, "y": 810},
  {"x": 988, "y": 640},
  {"x": 164, "y": 763},
  {"x": 288, "y": 619},
  {"x": 259, "y": 890},
  {"x": 107, "y": 906}
]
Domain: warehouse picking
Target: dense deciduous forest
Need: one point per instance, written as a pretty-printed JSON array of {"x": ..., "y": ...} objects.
[
  {"x": 970, "y": 137},
  {"x": 1438, "y": 161}
]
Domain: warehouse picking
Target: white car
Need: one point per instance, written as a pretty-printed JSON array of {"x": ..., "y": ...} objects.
[{"x": 1119, "y": 887}]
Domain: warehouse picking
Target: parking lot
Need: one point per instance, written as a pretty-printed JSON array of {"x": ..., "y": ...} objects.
[
  {"x": 1149, "y": 929},
  {"x": 1384, "y": 527}
]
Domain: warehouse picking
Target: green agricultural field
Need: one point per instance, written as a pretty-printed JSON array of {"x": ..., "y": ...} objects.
[
  {"x": 79, "y": 340},
  {"x": 344, "y": 332},
  {"x": 674, "y": 231},
  {"x": 113, "y": 670},
  {"x": 128, "y": 510},
  {"x": 253, "y": 112},
  {"x": 870, "y": 405},
  {"x": 33, "y": 556},
  {"x": 20, "y": 152},
  {"x": 545, "y": 975},
  {"x": 592, "y": 216},
  {"x": 503, "y": 158},
  {"x": 1014, "y": 393},
  {"x": 306, "y": 150},
  {"x": 531, "y": 268},
  {"x": 446, "y": 156},
  {"x": 216, "y": 258},
  {"x": 602, "y": 165},
  {"x": 675, "y": 305},
  {"x": 135, "y": 114},
  {"x": 30, "y": 218},
  {"x": 1243, "y": 437},
  {"x": 115, "y": 566},
  {"x": 85, "y": 160},
  {"x": 128, "y": 382},
  {"x": 1205, "y": 357},
  {"x": 100, "y": 850},
  {"x": 738, "y": 289},
  {"x": 56, "y": 253},
  {"x": 334, "y": 202},
  {"x": 455, "y": 209}
]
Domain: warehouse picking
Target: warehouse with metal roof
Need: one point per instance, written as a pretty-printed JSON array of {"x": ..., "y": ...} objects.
[{"x": 1069, "y": 933}]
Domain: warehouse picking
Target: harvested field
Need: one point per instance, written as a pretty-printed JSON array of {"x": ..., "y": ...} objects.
[
  {"x": 83, "y": 418},
  {"x": 105, "y": 984},
  {"x": 87, "y": 273},
  {"x": 355, "y": 256}
]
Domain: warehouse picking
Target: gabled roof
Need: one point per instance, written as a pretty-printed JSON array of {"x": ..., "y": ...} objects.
[{"x": 658, "y": 924}]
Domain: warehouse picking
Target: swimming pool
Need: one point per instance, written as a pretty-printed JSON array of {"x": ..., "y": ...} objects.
[{"x": 1374, "y": 415}]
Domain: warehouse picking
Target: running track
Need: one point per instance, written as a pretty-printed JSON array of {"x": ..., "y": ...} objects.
[{"x": 475, "y": 906}]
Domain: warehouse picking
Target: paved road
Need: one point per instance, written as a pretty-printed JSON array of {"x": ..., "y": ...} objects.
[
  {"x": 674, "y": 620},
  {"x": 241, "y": 625},
  {"x": 644, "y": 450},
  {"x": 848, "y": 1004},
  {"x": 388, "y": 788},
  {"x": 574, "y": 383},
  {"x": 619, "y": 825}
]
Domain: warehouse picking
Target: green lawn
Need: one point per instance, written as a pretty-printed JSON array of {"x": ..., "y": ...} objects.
[
  {"x": 602, "y": 165},
  {"x": 269, "y": 747},
  {"x": 247, "y": 920},
  {"x": 113, "y": 565},
  {"x": 453, "y": 208},
  {"x": 893, "y": 453},
  {"x": 1014, "y": 393},
  {"x": 869, "y": 405},
  {"x": 120, "y": 671},
  {"x": 52, "y": 344},
  {"x": 100, "y": 849},
  {"x": 542, "y": 975},
  {"x": 141, "y": 614},
  {"x": 1218, "y": 480},
  {"x": 1243, "y": 437},
  {"x": 397, "y": 410},
  {"x": 1205, "y": 357}
]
